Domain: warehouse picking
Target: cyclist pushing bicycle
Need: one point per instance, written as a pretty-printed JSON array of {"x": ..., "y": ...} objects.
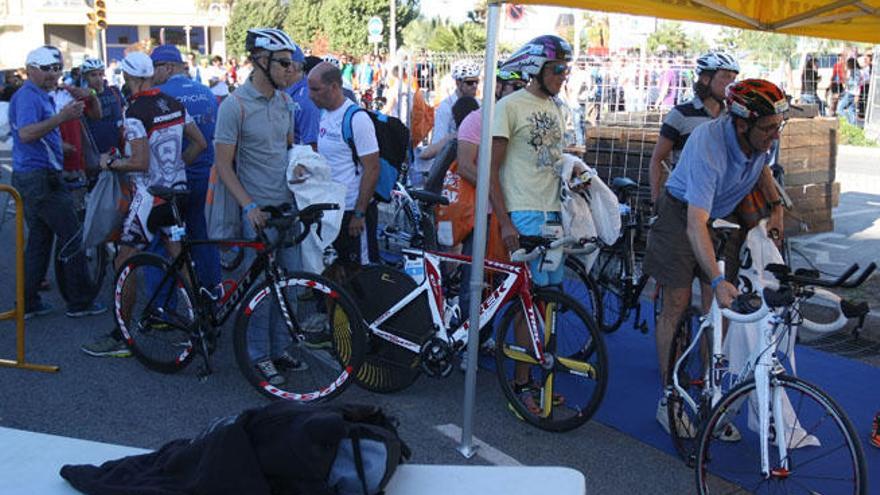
[{"x": 721, "y": 163}]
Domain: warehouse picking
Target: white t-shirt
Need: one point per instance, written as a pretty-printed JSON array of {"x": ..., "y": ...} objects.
[{"x": 337, "y": 153}]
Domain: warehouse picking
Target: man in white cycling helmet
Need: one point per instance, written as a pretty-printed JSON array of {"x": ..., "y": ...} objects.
[
  {"x": 715, "y": 71},
  {"x": 466, "y": 74}
]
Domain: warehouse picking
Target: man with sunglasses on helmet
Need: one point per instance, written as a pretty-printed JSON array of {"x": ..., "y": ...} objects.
[
  {"x": 715, "y": 71},
  {"x": 255, "y": 128},
  {"x": 720, "y": 164},
  {"x": 466, "y": 74},
  {"x": 528, "y": 140}
]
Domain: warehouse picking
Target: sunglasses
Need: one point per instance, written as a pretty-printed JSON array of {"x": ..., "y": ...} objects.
[
  {"x": 515, "y": 85},
  {"x": 769, "y": 129},
  {"x": 471, "y": 83},
  {"x": 51, "y": 68},
  {"x": 560, "y": 69},
  {"x": 285, "y": 63}
]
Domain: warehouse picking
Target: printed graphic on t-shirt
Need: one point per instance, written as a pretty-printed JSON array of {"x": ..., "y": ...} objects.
[{"x": 545, "y": 137}]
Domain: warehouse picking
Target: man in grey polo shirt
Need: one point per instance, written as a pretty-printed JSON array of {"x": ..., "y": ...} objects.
[{"x": 254, "y": 130}]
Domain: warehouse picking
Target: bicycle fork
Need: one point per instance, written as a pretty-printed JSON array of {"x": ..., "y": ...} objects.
[{"x": 769, "y": 395}]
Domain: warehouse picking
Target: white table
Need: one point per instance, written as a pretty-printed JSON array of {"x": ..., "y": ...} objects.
[{"x": 30, "y": 462}]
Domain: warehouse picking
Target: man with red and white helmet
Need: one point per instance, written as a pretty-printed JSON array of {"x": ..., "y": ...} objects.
[
  {"x": 722, "y": 162},
  {"x": 466, "y": 74}
]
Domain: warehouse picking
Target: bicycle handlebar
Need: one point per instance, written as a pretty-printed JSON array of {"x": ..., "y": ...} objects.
[
  {"x": 282, "y": 220},
  {"x": 784, "y": 275},
  {"x": 747, "y": 308},
  {"x": 535, "y": 247}
]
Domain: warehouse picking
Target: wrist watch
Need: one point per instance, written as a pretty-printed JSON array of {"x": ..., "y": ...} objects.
[
  {"x": 110, "y": 163},
  {"x": 359, "y": 214}
]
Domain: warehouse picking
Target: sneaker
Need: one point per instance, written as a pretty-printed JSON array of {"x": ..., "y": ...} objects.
[
  {"x": 488, "y": 347},
  {"x": 727, "y": 432},
  {"x": 94, "y": 309},
  {"x": 286, "y": 362},
  {"x": 528, "y": 394},
  {"x": 316, "y": 330},
  {"x": 875, "y": 431},
  {"x": 685, "y": 428},
  {"x": 43, "y": 309},
  {"x": 267, "y": 368},
  {"x": 106, "y": 346}
]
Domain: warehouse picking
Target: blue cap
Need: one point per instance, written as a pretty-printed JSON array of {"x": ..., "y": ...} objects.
[
  {"x": 298, "y": 55},
  {"x": 166, "y": 53}
]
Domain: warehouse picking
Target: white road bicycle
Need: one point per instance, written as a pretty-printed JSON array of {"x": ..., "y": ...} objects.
[{"x": 761, "y": 429}]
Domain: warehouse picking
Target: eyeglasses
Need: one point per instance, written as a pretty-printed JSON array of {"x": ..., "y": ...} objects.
[
  {"x": 286, "y": 63},
  {"x": 515, "y": 85},
  {"x": 560, "y": 69},
  {"x": 51, "y": 68},
  {"x": 770, "y": 129},
  {"x": 472, "y": 82}
]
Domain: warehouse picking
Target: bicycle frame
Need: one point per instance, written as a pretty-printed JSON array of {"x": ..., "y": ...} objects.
[{"x": 518, "y": 282}]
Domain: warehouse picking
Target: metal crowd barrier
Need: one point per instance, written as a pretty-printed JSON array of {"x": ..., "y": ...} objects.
[{"x": 18, "y": 313}]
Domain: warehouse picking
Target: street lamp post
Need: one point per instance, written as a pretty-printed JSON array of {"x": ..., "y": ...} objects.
[{"x": 187, "y": 30}]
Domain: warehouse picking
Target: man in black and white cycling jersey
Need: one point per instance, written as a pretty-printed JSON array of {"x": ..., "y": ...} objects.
[{"x": 155, "y": 125}]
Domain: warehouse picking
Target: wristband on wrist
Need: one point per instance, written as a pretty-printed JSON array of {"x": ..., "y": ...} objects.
[
  {"x": 774, "y": 204},
  {"x": 110, "y": 163},
  {"x": 247, "y": 209},
  {"x": 358, "y": 214},
  {"x": 717, "y": 280}
]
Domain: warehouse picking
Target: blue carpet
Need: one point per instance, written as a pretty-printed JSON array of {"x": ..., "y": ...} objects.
[{"x": 633, "y": 390}]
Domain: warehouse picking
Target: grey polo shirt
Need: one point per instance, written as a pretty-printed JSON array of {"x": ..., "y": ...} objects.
[{"x": 258, "y": 127}]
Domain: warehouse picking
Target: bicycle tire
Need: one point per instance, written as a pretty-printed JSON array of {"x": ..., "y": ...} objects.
[
  {"x": 608, "y": 272},
  {"x": 158, "y": 334},
  {"x": 579, "y": 364},
  {"x": 682, "y": 420},
  {"x": 579, "y": 284},
  {"x": 96, "y": 270},
  {"x": 803, "y": 475},
  {"x": 333, "y": 352}
]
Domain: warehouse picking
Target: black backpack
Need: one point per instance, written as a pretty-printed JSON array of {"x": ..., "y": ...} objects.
[{"x": 395, "y": 151}]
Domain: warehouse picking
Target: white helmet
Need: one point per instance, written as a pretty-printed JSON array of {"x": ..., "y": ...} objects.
[
  {"x": 90, "y": 64},
  {"x": 714, "y": 61},
  {"x": 271, "y": 39},
  {"x": 332, "y": 60},
  {"x": 464, "y": 69},
  {"x": 137, "y": 64}
]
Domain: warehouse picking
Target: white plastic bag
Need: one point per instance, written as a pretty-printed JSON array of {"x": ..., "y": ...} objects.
[
  {"x": 222, "y": 211},
  {"x": 606, "y": 211}
]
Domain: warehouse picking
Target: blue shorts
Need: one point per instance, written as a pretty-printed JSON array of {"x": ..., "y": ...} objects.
[{"x": 531, "y": 223}]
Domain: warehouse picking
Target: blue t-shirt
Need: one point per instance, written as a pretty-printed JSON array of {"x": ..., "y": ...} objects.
[
  {"x": 307, "y": 116},
  {"x": 107, "y": 130},
  {"x": 201, "y": 104},
  {"x": 30, "y": 105},
  {"x": 713, "y": 173}
]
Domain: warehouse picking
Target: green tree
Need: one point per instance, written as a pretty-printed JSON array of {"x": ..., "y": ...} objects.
[
  {"x": 345, "y": 21},
  {"x": 669, "y": 36},
  {"x": 247, "y": 14},
  {"x": 303, "y": 22},
  {"x": 777, "y": 46},
  {"x": 461, "y": 38},
  {"x": 419, "y": 33}
]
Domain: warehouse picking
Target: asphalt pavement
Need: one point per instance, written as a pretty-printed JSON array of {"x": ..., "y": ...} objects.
[{"x": 118, "y": 401}]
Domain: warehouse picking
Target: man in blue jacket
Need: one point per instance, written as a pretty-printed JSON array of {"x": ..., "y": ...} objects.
[{"x": 171, "y": 77}]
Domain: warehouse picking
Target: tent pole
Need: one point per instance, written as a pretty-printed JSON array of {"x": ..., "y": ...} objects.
[{"x": 467, "y": 447}]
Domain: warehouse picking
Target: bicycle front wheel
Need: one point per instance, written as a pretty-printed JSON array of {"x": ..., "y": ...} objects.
[
  {"x": 609, "y": 273},
  {"x": 153, "y": 306},
  {"x": 823, "y": 454},
  {"x": 566, "y": 389},
  {"x": 579, "y": 284},
  {"x": 682, "y": 417},
  {"x": 312, "y": 336}
]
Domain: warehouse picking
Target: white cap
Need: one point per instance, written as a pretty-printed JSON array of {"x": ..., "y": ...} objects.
[
  {"x": 220, "y": 89},
  {"x": 137, "y": 64},
  {"x": 44, "y": 55}
]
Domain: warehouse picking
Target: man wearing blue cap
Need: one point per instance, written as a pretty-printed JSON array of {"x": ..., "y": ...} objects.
[{"x": 171, "y": 77}]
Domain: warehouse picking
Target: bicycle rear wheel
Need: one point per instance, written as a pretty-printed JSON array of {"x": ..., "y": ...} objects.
[
  {"x": 571, "y": 387},
  {"x": 95, "y": 269},
  {"x": 608, "y": 272},
  {"x": 153, "y": 306},
  {"x": 683, "y": 419},
  {"x": 315, "y": 323},
  {"x": 823, "y": 454},
  {"x": 579, "y": 284}
]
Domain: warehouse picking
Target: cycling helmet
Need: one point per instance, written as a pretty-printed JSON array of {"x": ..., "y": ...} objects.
[
  {"x": 90, "y": 64},
  {"x": 330, "y": 59},
  {"x": 508, "y": 75},
  {"x": 754, "y": 98},
  {"x": 532, "y": 56},
  {"x": 464, "y": 69},
  {"x": 271, "y": 39},
  {"x": 714, "y": 61}
]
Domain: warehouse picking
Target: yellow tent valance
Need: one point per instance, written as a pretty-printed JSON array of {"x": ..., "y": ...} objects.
[{"x": 851, "y": 20}]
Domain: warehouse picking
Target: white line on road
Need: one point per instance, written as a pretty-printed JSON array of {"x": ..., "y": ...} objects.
[{"x": 486, "y": 451}]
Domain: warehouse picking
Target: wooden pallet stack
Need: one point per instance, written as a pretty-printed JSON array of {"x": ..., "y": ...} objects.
[{"x": 808, "y": 154}]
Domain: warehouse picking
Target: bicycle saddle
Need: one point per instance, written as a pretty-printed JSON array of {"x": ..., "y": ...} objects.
[
  {"x": 168, "y": 193},
  {"x": 624, "y": 184},
  {"x": 721, "y": 224},
  {"x": 428, "y": 197}
]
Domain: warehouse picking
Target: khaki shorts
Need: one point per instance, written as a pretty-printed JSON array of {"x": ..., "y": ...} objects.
[{"x": 670, "y": 258}]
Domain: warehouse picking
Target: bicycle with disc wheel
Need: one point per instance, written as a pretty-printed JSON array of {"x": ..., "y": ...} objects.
[{"x": 167, "y": 316}]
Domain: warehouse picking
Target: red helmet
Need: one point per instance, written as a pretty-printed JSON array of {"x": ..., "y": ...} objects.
[{"x": 755, "y": 98}]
